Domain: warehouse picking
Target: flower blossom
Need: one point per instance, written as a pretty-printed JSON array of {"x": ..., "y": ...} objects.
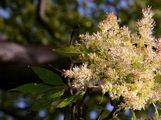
[{"x": 122, "y": 62}]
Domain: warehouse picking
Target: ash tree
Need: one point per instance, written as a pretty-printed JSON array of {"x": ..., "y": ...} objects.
[{"x": 113, "y": 66}]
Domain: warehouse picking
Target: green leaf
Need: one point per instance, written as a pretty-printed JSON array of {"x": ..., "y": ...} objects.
[
  {"x": 48, "y": 76},
  {"x": 133, "y": 116},
  {"x": 48, "y": 99},
  {"x": 156, "y": 110},
  {"x": 32, "y": 88},
  {"x": 54, "y": 93},
  {"x": 70, "y": 99},
  {"x": 103, "y": 110},
  {"x": 41, "y": 103},
  {"x": 68, "y": 51},
  {"x": 57, "y": 94}
]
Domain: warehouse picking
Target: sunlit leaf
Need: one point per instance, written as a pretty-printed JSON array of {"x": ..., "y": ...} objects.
[
  {"x": 57, "y": 94},
  {"x": 156, "y": 110},
  {"x": 70, "y": 99},
  {"x": 133, "y": 116},
  {"x": 68, "y": 51},
  {"x": 102, "y": 111},
  {"x": 48, "y": 76}
]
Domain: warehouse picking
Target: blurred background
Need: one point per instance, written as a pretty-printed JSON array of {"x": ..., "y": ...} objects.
[{"x": 30, "y": 29}]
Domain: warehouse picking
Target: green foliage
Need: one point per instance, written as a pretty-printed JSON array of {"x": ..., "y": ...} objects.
[
  {"x": 49, "y": 94},
  {"x": 29, "y": 29},
  {"x": 57, "y": 94},
  {"x": 68, "y": 51},
  {"x": 48, "y": 99},
  {"x": 156, "y": 111},
  {"x": 71, "y": 99},
  {"x": 133, "y": 116},
  {"x": 32, "y": 88},
  {"x": 48, "y": 76},
  {"x": 62, "y": 16},
  {"x": 104, "y": 113},
  {"x": 66, "y": 15},
  {"x": 51, "y": 90}
]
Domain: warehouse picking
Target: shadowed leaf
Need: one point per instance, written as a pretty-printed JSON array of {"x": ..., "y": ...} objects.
[
  {"x": 48, "y": 76},
  {"x": 32, "y": 88}
]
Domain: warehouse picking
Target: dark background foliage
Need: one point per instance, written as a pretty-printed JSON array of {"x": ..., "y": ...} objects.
[{"x": 30, "y": 29}]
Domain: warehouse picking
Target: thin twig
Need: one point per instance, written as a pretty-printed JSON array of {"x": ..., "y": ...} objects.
[
  {"x": 82, "y": 108},
  {"x": 98, "y": 117},
  {"x": 116, "y": 108},
  {"x": 111, "y": 114}
]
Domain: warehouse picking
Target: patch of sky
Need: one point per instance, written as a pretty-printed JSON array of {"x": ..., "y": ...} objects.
[
  {"x": 60, "y": 117},
  {"x": 80, "y": 8},
  {"x": 21, "y": 103},
  {"x": 93, "y": 115},
  {"x": 109, "y": 107},
  {"x": 125, "y": 4},
  {"x": 42, "y": 113},
  {"x": 128, "y": 112},
  {"x": 86, "y": 7},
  {"x": 4, "y": 13}
]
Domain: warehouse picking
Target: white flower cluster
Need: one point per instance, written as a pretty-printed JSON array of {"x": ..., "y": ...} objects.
[
  {"x": 122, "y": 62},
  {"x": 82, "y": 75}
]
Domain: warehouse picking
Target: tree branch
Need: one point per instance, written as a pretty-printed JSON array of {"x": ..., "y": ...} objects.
[
  {"x": 115, "y": 103},
  {"x": 116, "y": 108},
  {"x": 82, "y": 108},
  {"x": 42, "y": 18},
  {"x": 13, "y": 53}
]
